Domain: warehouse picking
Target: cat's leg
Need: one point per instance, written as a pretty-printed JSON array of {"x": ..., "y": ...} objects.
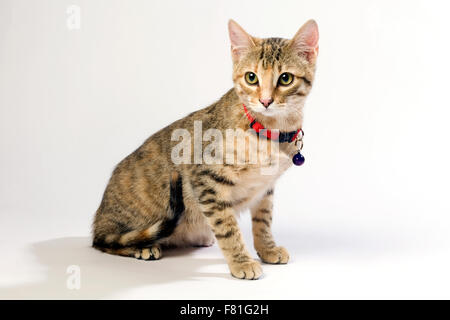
[
  {"x": 212, "y": 190},
  {"x": 141, "y": 241},
  {"x": 263, "y": 240},
  {"x": 229, "y": 239},
  {"x": 216, "y": 205},
  {"x": 140, "y": 244}
]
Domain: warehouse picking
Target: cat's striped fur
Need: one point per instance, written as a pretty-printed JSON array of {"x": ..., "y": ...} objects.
[{"x": 150, "y": 202}]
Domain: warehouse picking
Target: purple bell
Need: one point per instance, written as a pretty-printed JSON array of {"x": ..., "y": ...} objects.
[{"x": 298, "y": 159}]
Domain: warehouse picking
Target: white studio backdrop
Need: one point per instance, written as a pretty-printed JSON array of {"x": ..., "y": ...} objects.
[{"x": 76, "y": 99}]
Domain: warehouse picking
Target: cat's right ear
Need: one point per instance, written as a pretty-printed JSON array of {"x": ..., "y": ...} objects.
[{"x": 241, "y": 41}]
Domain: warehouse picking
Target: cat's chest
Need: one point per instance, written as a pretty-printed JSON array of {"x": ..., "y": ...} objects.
[{"x": 255, "y": 179}]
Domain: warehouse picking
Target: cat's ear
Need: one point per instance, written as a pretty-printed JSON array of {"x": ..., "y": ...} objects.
[
  {"x": 241, "y": 41},
  {"x": 306, "y": 41}
]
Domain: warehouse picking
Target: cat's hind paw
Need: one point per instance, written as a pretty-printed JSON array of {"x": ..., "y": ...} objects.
[{"x": 151, "y": 253}]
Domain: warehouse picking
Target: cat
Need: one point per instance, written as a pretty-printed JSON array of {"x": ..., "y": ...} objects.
[{"x": 151, "y": 202}]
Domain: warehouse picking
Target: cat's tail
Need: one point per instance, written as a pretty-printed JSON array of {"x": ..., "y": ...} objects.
[{"x": 151, "y": 234}]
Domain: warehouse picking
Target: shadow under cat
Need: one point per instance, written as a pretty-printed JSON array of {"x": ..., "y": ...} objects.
[{"x": 102, "y": 274}]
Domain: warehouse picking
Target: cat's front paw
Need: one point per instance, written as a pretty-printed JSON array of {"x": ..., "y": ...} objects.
[
  {"x": 277, "y": 255},
  {"x": 250, "y": 270}
]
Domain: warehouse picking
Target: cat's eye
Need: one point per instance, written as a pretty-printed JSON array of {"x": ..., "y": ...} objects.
[
  {"x": 286, "y": 79},
  {"x": 251, "y": 78}
]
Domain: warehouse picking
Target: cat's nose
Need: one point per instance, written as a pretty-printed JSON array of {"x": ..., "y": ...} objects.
[{"x": 266, "y": 102}]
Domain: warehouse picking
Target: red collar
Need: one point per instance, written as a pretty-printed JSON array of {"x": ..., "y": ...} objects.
[{"x": 269, "y": 134}]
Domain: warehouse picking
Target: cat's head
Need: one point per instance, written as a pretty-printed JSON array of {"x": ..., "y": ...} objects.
[{"x": 273, "y": 76}]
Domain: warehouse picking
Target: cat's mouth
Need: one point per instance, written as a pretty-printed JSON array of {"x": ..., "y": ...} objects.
[{"x": 271, "y": 111}]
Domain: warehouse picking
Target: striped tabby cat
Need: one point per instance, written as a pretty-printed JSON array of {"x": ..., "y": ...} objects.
[{"x": 151, "y": 202}]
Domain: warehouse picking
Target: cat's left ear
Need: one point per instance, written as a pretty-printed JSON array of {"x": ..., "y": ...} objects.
[
  {"x": 306, "y": 41},
  {"x": 241, "y": 41}
]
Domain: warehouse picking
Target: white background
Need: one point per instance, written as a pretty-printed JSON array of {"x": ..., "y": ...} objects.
[{"x": 367, "y": 216}]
